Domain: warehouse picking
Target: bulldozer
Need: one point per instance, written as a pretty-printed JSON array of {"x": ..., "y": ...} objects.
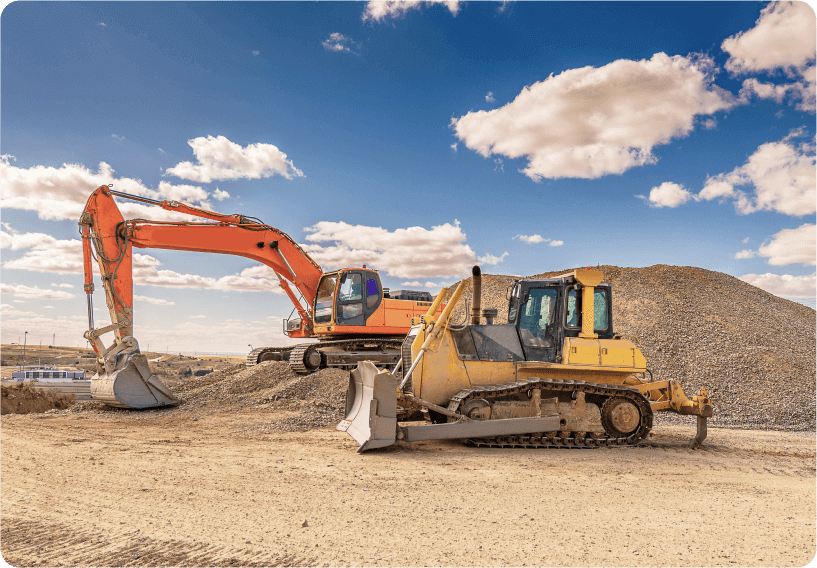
[
  {"x": 555, "y": 375},
  {"x": 348, "y": 311}
]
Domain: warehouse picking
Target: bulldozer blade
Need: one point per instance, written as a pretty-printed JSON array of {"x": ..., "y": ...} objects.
[
  {"x": 371, "y": 407},
  {"x": 131, "y": 385}
]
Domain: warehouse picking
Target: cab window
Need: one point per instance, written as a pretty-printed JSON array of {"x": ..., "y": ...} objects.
[
  {"x": 573, "y": 317},
  {"x": 536, "y": 314},
  {"x": 350, "y": 288},
  {"x": 323, "y": 300}
]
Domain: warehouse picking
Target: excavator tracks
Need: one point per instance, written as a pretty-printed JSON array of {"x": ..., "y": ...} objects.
[
  {"x": 307, "y": 358},
  {"x": 541, "y": 440}
]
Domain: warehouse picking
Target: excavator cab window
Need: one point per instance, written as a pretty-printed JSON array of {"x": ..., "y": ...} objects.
[
  {"x": 324, "y": 298},
  {"x": 350, "y": 298}
]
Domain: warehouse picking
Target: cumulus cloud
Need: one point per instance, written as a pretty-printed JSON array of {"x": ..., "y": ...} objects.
[
  {"x": 781, "y": 174},
  {"x": 339, "y": 42},
  {"x": 489, "y": 98},
  {"x": 590, "y": 122},
  {"x": 220, "y": 159},
  {"x": 782, "y": 40},
  {"x": 48, "y": 254},
  {"x": 792, "y": 246},
  {"x": 784, "y": 285},
  {"x": 536, "y": 239},
  {"x": 220, "y": 195},
  {"x": 783, "y": 37},
  {"x": 413, "y": 283},
  {"x": 379, "y": 10},
  {"x": 491, "y": 259},
  {"x": 745, "y": 254},
  {"x": 415, "y": 252},
  {"x": 157, "y": 301},
  {"x": 669, "y": 194},
  {"x": 709, "y": 123},
  {"x": 61, "y": 193},
  {"x": 34, "y": 293}
]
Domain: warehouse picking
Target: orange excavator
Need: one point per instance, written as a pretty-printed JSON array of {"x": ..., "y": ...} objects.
[{"x": 348, "y": 311}]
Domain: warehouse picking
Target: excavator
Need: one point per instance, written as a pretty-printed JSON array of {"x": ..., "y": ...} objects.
[
  {"x": 348, "y": 311},
  {"x": 554, "y": 376}
]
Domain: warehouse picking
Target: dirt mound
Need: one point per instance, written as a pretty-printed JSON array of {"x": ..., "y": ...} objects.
[
  {"x": 22, "y": 398},
  {"x": 753, "y": 351},
  {"x": 295, "y": 402}
]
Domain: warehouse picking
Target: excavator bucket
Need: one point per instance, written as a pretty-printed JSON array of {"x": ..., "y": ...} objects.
[
  {"x": 131, "y": 384},
  {"x": 371, "y": 407}
]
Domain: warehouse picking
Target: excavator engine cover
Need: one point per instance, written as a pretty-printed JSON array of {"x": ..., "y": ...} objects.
[{"x": 131, "y": 383}]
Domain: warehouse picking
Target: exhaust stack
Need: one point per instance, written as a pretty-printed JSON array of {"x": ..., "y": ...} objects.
[{"x": 476, "y": 302}]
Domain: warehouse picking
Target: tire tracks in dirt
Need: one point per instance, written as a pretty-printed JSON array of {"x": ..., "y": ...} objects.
[{"x": 46, "y": 543}]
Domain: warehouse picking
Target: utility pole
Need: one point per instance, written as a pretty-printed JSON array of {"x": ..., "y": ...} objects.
[{"x": 25, "y": 340}]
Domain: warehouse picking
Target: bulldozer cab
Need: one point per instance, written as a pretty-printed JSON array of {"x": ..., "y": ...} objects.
[{"x": 545, "y": 311}]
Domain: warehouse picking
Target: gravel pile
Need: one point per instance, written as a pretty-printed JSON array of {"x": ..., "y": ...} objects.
[{"x": 754, "y": 352}]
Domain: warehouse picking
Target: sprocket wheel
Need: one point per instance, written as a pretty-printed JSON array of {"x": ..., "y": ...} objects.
[{"x": 620, "y": 417}]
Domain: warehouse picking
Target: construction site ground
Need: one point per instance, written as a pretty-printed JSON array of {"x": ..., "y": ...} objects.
[{"x": 168, "y": 488}]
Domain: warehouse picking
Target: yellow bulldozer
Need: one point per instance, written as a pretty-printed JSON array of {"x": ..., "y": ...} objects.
[{"x": 554, "y": 376}]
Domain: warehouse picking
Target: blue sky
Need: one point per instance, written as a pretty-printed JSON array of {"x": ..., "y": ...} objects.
[{"x": 416, "y": 137}]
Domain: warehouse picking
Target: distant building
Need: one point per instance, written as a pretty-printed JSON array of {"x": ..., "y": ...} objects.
[{"x": 52, "y": 375}]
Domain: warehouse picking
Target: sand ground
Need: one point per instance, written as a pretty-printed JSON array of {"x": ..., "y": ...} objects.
[{"x": 85, "y": 490}]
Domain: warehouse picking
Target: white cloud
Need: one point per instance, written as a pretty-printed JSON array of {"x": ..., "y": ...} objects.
[
  {"x": 61, "y": 193},
  {"x": 454, "y": 146},
  {"x": 590, "y": 122},
  {"x": 220, "y": 159},
  {"x": 414, "y": 252},
  {"x": 157, "y": 301},
  {"x": 489, "y": 98},
  {"x": 198, "y": 317},
  {"x": 792, "y": 246},
  {"x": 63, "y": 285},
  {"x": 784, "y": 285},
  {"x": 669, "y": 194},
  {"x": 378, "y": 10},
  {"x": 746, "y": 240},
  {"x": 491, "y": 259},
  {"x": 783, "y": 37},
  {"x": 413, "y": 283},
  {"x": 48, "y": 254},
  {"x": 256, "y": 52},
  {"x": 119, "y": 138},
  {"x": 430, "y": 284},
  {"x": 536, "y": 239},
  {"x": 35, "y": 293},
  {"x": 783, "y": 177},
  {"x": 709, "y": 123},
  {"x": 103, "y": 24},
  {"x": 498, "y": 165},
  {"x": 162, "y": 151},
  {"x": 745, "y": 254},
  {"x": 340, "y": 43},
  {"x": 220, "y": 195}
]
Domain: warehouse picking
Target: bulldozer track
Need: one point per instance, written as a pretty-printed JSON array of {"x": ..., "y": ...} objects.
[
  {"x": 541, "y": 440},
  {"x": 252, "y": 356}
]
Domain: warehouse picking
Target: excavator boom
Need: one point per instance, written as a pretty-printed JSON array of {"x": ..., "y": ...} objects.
[{"x": 123, "y": 374}]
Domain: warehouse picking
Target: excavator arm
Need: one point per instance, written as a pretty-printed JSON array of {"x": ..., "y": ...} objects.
[{"x": 123, "y": 376}]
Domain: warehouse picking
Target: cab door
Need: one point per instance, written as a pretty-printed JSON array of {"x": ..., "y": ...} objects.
[{"x": 359, "y": 295}]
